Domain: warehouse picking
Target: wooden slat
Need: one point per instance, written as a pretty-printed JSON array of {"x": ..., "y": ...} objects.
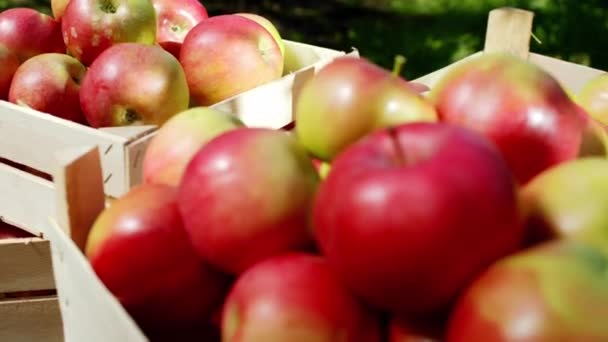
[
  {"x": 572, "y": 76},
  {"x": 25, "y": 265},
  {"x": 509, "y": 30},
  {"x": 431, "y": 80},
  {"x": 31, "y": 320},
  {"x": 135, "y": 159},
  {"x": 299, "y": 56},
  {"x": 80, "y": 196},
  {"x": 26, "y": 201}
]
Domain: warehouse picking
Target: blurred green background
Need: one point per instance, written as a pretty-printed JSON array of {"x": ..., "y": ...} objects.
[{"x": 430, "y": 33}]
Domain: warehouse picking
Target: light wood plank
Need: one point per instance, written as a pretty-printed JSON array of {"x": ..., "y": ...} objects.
[
  {"x": 572, "y": 76},
  {"x": 31, "y": 320},
  {"x": 25, "y": 265},
  {"x": 509, "y": 30},
  {"x": 135, "y": 158},
  {"x": 300, "y": 56}
]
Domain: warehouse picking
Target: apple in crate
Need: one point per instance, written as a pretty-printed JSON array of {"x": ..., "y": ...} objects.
[
  {"x": 174, "y": 19},
  {"x": 517, "y": 105},
  {"x": 139, "y": 249},
  {"x": 91, "y": 26},
  {"x": 179, "y": 139},
  {"x": 58, "y": 8},
  {"x": 246, "y": 195},
  {"x": 295, "y": 297},
  {"x": 569, "y": 201},
  {"x": 8, "y": 231},
  {"x": 594, "y": 98},
  {"x": 226, "y": 55},
  {"x": 349, "y": 98},
  {"x": 50, "y": 83},
  {"x": 9, "y": 63},
  {"x": 268, "y": 25},
  {"x": 427, "y": 329},
  {"x": 555, "y": 291},
  {"x": 409, "y": 215},
  {"x": 133, "y": 84},
  {"x": 27, "y": 32}
]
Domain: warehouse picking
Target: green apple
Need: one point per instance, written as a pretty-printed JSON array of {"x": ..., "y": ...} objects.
[
  {"x": 268, "y": 25},
  {"x": 594, "y": 98}
]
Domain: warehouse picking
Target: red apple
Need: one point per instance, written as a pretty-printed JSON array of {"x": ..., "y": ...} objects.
[
  {"x": 8, "y": 231},
  {"x": 179, "y": 139},
  {"x": 226, "y": 55},
  {"x": 58, "y": 8},
  {"x": 9, "y": 63},
  {"x": 408, "y": 216},
  {"x": 91, "y": 26},
  {"x": 174, "y": 19},
  {"x": 246, "y": 196},
  {"x": 429, "y": 329},
  {"x": 349, "y": 98},
  {"x": 139, "y": 249},
  {"x": 553, "y": 292},
  {"x": 295, "y": 297},
  {"x": 132, "y": 84},
  {"x": 518, "y": 106},
  {"x": 50, "y": 83},
  {"x": 27, "y": 32}
]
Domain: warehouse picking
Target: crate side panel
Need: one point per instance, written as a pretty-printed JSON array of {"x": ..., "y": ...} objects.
[
  {"x": 34, "y": 319},
  {"x": 25, "y": 265}
]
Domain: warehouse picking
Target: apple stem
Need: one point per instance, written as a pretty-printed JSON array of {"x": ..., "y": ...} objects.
[
  {"x": 399, "y": 153},
  {"x": 398, "y": 65}
]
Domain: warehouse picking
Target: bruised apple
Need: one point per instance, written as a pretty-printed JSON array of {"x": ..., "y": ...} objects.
[
  {"x": 179, "y": 139},
  {"x": 246, "y": 196},
  {"x": 297, "y": 298},
  {"x": 139, "y": 249}
]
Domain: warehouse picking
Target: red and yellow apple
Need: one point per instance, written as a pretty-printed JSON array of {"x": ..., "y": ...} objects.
[
  {"x": 9, "y": 63},
  {"x": 594, "y": 98},
  {"x": 268, "y": 25},
  {"x": 297, "y": 298},
  {"x": 27, "y": 32},
  {"x": 226, "y": 55},
  {"x": 133, "y": 84},
  {"x": 50, "y": 83},
  {"x": 246, "y": 196},
  {"x": 174, "y": 19},
  {"x": 179, "y": 139},
  {"x": 91, "y": 26}
]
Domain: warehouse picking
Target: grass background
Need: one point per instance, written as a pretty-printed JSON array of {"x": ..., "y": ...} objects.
[{"x": 430, "y": 33}]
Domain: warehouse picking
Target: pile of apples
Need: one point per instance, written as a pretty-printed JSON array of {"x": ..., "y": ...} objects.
[
  {"x": 473, "y": 211},
  {"x": 107, "y": 63}
]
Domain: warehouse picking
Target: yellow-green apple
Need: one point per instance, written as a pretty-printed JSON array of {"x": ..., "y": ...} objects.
[
  {"x": 268, "y": 25},
  {"x": 569, "y": 200},
  {"x": 226, "y": 55},
  {"x": 91, "y": 26},
  {"x": 409, "y": 215},
  {"x": 27, "y": 32},
  {"x": 140, "y": 251},
  {"x": 50, "y": 83},
  {"x": 8, "y": 231},
  {"x": 58, "y": 8},
  {"x": 246, "y": 195},
  {"x": 515, "y": 104},
  {"x": 555, "y": 291},
  {"x": 594, "y": 98},
  {"x": 133, "y": 84},
  {"x": 179, "y": 139},
  {"x": 9, "y": 64},
  {"x": 174, "y": 19},
  {"x": 295, "y": 297},
  {"x": 595, "y": 136},
  {"x": 349, "y": 98}
]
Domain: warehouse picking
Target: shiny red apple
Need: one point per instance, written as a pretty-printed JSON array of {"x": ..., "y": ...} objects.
[
  {"x": 9, "y": 64},
  {"x": 133, "y": 84},
  {"x": 408, "y": 216},
  {"x": 27, "y": 32},
  {"x": 140, "y": 251},
  {"x": 246, "y": 196},
  {"x": 8, "y": 231},
  {"x": 50, "y": 83},
  {"x": 297, "y": 298},
  {"x": 174, "y": 19}
]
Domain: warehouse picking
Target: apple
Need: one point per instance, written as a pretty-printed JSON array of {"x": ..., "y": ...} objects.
[
  {"x": 593, "y": 97},
  {"x": 9, "y": 63},
  {"x": 179, "y": 139},
  {"x": 133, "y": 84},
  {"x": 427, "y": 329},
  {"x": 555, "y": 291},
  {"x": 50, "y": 83},
  {"x": 8, "y": 231},
  {"x": 58, "y": 8},
  {"x": 595, "y": 136},
  {"x": 27, "y": 32},
  {"x": 349, "y": 98},
  {"x": 174, "y": 19},
  {"x": 515, "y": 104},
  {"x": 409, "y": 215},
  {"x": 268, "y": 25},
  {"x": 295, "y": 297},
  {"x": 140, "y": 251},
  {"x": 226, "y": 55},
  {"x": 246, "y": 195},
  {"x": 570, "y": 201},
  {"x": 91, "y": 26}
]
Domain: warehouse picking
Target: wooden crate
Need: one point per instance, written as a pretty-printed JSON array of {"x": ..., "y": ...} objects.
[{"x": 122, "y": 148}]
